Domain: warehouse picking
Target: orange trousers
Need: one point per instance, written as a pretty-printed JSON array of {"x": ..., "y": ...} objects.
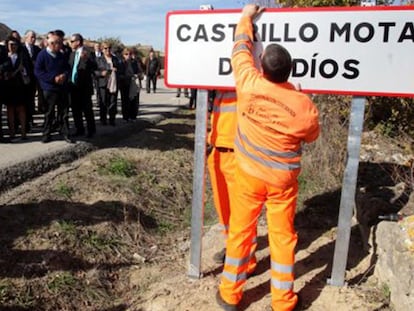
[
  {"x": 251, "y": 194},
  {"x": 221, "y": 167}
]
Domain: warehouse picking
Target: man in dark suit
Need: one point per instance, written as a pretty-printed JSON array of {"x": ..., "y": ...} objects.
[
  {"x": 83, "y": 66},
  {"x": 31, "y": 51}
]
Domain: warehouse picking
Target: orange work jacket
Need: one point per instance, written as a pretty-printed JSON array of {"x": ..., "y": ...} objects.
[
  {"x": 273, "y": 118},
  {"x": 223, "y": 120}
]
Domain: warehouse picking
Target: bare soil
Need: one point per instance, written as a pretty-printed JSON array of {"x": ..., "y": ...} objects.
[{"x": 111, "y": 232}]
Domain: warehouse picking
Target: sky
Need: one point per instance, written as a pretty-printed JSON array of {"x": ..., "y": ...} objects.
[{"x": 132, "y": 21}]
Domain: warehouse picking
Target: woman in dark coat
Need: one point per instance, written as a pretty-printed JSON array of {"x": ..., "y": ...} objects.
[
  {"x": 16, "y": 88},
  {"x": 129, "y": 85},
  {"x": 107, "y": 76}
]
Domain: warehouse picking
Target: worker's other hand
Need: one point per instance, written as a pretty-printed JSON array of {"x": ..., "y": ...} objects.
[{"x": 252, "y": 10}]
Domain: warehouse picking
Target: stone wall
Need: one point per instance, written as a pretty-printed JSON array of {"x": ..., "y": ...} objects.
[{"x": 395, "y": 265}]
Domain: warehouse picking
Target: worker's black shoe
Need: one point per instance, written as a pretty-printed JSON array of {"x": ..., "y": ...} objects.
[
  {"x": 220, "y": 256},
  {"x": 224, "y": 305}
]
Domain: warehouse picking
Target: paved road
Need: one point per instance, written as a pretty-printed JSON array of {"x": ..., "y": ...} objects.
[{"x": 21, "y": 160}]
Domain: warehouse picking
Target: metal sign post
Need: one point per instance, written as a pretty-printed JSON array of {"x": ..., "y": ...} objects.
[
  {"x": 347, "y": 204},
  {"x": 197, "y": 214}
]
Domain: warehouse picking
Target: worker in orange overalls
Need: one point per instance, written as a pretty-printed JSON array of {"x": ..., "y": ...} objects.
[
  {"x": 273, "y": 121},
  {"x": 221, "y": 164}
]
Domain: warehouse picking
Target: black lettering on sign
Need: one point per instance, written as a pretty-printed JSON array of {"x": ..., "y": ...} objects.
[
  {"x": 346, "y": 28},
  {"x": 326, "y": 68},
  {"x": 364, "y": 29},
  {"x": 365, "y": 32},
  {"x": 354, "y": 72},
  {"x": 313, "y": 65},
  {"x": 218, "y": 30},
  {"x": 272, "y": 37},
  {"x": 233, "y": 26},
  {"x": 201, "y": 34},
  {"x": 386, "y": 30},
  {"x": 180, "y": 29},
  {"x": 287, "y": 38},
  {"x": 225, "y": 66},
  {"x": 407, "y": 33},
  {"x": 308, "y": 37},
  {"x": 300, "y": 67},
  {"x": 307, "y": 32}
]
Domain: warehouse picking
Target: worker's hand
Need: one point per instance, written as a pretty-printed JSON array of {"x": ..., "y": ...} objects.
[{"x": 252, "y": 10}]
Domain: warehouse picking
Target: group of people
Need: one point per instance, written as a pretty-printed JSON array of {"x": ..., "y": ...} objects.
[
  {"x": 65, "y": 76},
  {"x": 254, "y": 157}
]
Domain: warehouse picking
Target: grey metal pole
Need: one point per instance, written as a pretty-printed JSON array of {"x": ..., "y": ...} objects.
[
  {"x": 197, "y": 215},
  {"x": 347, "y": 204}
]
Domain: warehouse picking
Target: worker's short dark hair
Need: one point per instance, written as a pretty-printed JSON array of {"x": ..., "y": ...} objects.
[{"x": 276, "y": 63}]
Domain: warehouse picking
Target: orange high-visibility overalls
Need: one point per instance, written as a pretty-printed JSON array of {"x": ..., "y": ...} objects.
[
  {"x": 273, "y": 121},
  {"x": 221, "y": 160}
]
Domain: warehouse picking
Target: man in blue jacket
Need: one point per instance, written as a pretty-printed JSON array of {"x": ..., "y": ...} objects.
[{"x": 52, "y": 70}]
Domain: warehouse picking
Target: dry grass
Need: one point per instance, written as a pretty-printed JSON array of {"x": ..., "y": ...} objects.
[
  {"x": 323, "y": 161},
  {"x": 71, "y": 240}
]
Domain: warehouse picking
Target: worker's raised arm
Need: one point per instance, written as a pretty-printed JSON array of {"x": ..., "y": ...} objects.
[{"x": 242, "y": 56}]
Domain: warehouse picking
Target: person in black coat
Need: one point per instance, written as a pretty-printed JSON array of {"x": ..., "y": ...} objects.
[
  {"x": 31, "y": 51},
  {"x": 83, "y": 66},
  {"x": 4, "y": 68},
  {"x": 107, "y": 75},
  {"x": 152, "y": 70},
  {"x": 16, "y": 89},
  {"x": 129, "y": 85}
]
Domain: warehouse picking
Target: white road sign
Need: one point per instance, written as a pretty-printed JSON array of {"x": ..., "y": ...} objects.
[{"x": 348, "y": 50}]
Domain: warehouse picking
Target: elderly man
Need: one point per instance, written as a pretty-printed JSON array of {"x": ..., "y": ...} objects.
[
  {"x": 52, "y": 70},
  {"x": 32, "y": 52}
]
